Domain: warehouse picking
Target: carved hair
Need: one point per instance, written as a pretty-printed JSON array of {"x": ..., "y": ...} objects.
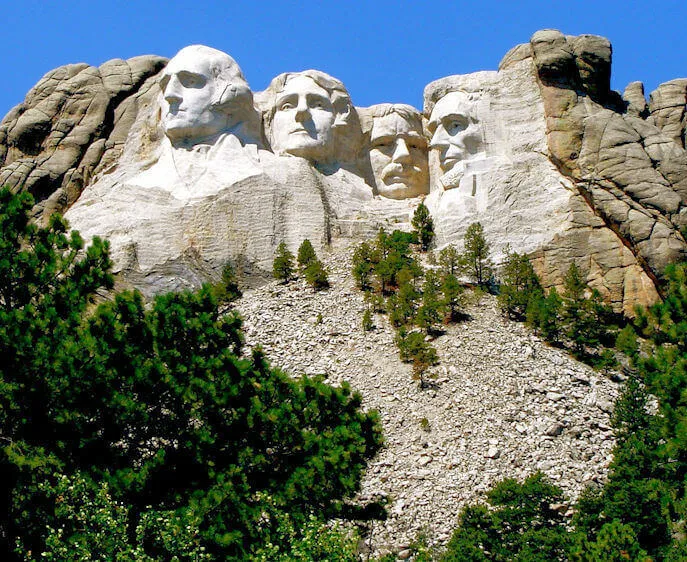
[
  {"x": 406, "y": 112},
  {"x": 439, "y": 88}
]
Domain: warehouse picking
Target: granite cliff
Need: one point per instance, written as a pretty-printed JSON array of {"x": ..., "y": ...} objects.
[{"x": 183, "y": 178}]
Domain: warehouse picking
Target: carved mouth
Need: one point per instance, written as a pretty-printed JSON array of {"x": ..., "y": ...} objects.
[{"x": 448, "y": 163}]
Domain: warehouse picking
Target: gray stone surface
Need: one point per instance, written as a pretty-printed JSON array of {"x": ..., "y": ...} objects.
[
  {"x": 543, "y": 154},
  {"x": 51, "y": 144},
  {"x": 504, "y": 405}
]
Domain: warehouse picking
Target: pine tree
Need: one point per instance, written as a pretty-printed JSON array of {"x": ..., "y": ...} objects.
[
  {"x": 544, "y": 315},
  {"x": 316, "y": 275},
  {"x": 449, "y": 259},
  {"x": 403, "y": 305},
  {"x": 423, "y": 226},
  {"x": 306, "y": 254},
  {"x": 519, "y": 524},
  {"x": 227, "y": 289},
  {"x": 519, "y": 284},
  {"x": 430, "y": 312},
  {"x": 475, "y": 259},
  {"x": 363, "y": 266},
  {"x": 282, "y": 267},
  {"x": 157, "y": 399},
  {"x": 585, "y": 319},
  {"x": 452, "y": 292}
]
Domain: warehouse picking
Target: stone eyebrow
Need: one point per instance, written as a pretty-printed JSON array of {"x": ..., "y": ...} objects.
[{"x": 285, "y": 97}]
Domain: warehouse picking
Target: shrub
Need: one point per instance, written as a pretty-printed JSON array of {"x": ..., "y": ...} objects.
[
  {"x": 282, "y": 267},
  {"x": 423, "y": 226},
  {"x": 306, "y": 254}
]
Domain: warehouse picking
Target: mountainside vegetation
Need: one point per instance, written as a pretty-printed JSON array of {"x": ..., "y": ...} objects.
[{"x": 133, "y": 430}]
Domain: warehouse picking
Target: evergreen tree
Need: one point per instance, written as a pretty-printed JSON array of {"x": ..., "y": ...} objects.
[
  {"x": 368, "y": 324},
  {"x": 403, "y": 305},
  {"x": 306, "y": 254},
  {"x": 316, "y": 275},
  {"x": 475, "y": 259},
  {"x": 227, "y": 289},
  {"x": 430, "y": 312},
  {"x": 282, "y": 267},
  {"x": 520, "y": 525},
  {"x": 363, "y": 266},
  {"x": 392, "y": 254},
  {"x": 519, "y": 284},
  {"x": 544, "y": 315},
  {"x": 423, "y": 226},
  {"x": 47, "y": 282},
  {"x": 156, "y": 402},
  {"x": 449, "y": 260},
  {"x": 585, "y": 319},
  {"x": 452, "y": 292}
]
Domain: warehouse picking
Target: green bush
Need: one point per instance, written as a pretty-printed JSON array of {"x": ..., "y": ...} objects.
[
  {"x": 155, "y": 401},
  {"x": 282, "y": 267},
  {"x": 423, "y": 226}
]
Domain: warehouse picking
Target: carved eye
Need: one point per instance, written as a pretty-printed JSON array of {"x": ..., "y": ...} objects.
[
  {"x": 382, "y": 144},
  {"x": 456, "y": 125},
  {"x": 191, "y": 80},
  {"x": 286, "y": 106}
]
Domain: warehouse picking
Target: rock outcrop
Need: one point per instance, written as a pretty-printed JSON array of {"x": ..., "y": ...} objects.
[
  {"x": 630, "y": 171},
  {"x": 183, "y": 178},
  {"x": 72, "y": 125}
]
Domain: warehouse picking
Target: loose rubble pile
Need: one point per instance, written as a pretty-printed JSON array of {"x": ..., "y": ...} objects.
[{"x": 505, "y": 404}]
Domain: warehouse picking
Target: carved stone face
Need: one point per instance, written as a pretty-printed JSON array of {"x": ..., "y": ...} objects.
[
  {"x": 455, "y": 129},
  {"x": 398, "y": 155},
  {"x": 191, "y": 93},
  {"x": 303, "y": 123}
]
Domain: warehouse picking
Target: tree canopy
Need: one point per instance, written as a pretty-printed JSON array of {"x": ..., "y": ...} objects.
[{"x": 157, "y": 402}]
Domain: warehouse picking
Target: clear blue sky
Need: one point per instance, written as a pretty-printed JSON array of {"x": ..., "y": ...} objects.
[{"x": 384, "y": 51}]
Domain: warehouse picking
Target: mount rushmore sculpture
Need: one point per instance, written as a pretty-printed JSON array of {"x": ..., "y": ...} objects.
[{"x": 184, "y": 169}]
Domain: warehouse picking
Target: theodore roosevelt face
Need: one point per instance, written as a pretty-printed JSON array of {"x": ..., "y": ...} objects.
[{"x": 398, "y": 155}]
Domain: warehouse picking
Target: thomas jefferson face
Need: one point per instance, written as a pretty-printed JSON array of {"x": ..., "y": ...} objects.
[
  {"x": 398, "y": 155},
  {"x": 189, "y": 89},
  {"x": 455, "y": 130},
  {"x": 303, "y": 123}
]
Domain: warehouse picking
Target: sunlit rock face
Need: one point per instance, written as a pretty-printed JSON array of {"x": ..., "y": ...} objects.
[
  {"x": 488, "y": 161},
  {"x": 185, "y": 169},
  {"x": 309, "y": 114},
  {"x": 397, "y": 147},
  {"x": 204, "y": 95}
]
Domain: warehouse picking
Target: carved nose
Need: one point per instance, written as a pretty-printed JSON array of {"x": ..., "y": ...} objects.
[
  {"x": 439, "y": 138},
  {"x": 173, "y": 91},
  {"x": 302, "y": 112},
  {"x": 401, "y": 153}
]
